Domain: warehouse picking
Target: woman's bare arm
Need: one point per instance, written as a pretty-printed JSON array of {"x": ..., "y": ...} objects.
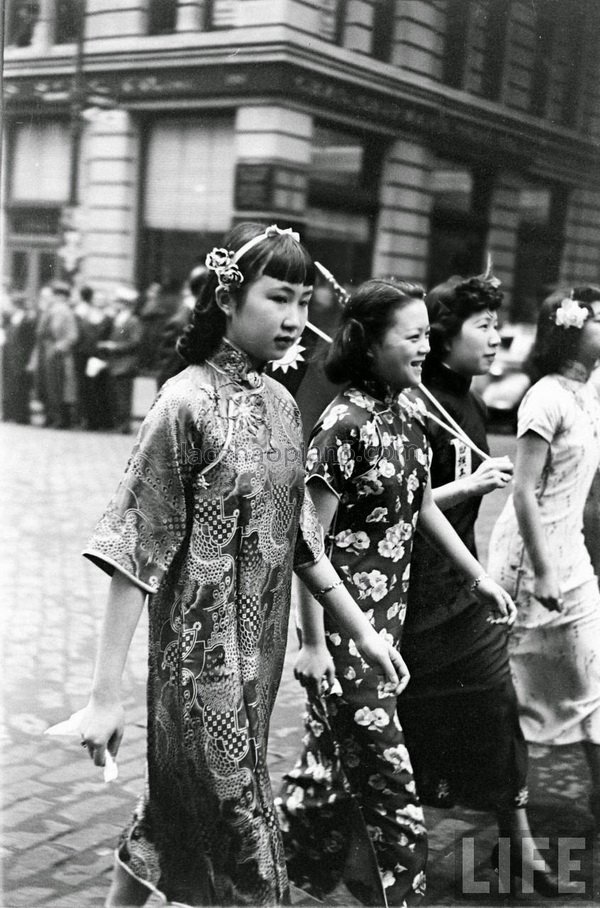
[{"x": 532, "y": 453}]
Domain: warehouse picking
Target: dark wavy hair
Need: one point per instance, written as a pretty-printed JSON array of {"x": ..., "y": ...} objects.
[
  {"x": 555, "y": 346},
  {"x": 450, "y": 304},
  {"x": 279, "y": 257},
  {"x": 363, "y": 322}
]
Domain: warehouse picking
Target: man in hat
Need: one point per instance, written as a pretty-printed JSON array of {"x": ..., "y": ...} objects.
[
  {"x": 122, "y": 351},
  {"x": 56, "y": 338}
]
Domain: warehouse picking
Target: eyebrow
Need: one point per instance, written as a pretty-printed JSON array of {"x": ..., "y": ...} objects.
[{"x": 291, "y": 287}]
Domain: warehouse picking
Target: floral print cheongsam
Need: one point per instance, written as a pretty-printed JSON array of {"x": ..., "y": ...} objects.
[
  {"x": 352, "y": 796},
  {"x": 555, "y": 656},
  {"x": 210, "y": 519}
]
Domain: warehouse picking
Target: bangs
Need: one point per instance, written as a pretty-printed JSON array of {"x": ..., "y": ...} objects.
[{"x": 283, "y": 260}]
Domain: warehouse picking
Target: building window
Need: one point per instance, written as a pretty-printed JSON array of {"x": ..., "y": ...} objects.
[
  {"x": 496, "y": 31},
  {"x": 476, "y": 42},
  {"x": 540, "y": 238},
  {"x": 162, "y": 17},
  {"x": 22, "y": 16},
  {"x": 458, "y": 20},
  {"x": 333, "y": 18},
  {"x": 459, "y": 220},
  {"x": 337, "y": 157},
  {"x": 40, "y": 162},
  {"x": 68, "y": 13},
  {"x": 545, "y": 31},
  {"x": 342, "y": 200},
  {"x": 384, "y": 23},
  {"x": 188, "y": 194},
  {"x": 558, "y": 71}
]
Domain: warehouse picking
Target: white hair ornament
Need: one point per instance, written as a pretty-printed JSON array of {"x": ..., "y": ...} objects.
[
  {"x": 570, "y": 314},
  {"x": 224, "y": 262}
]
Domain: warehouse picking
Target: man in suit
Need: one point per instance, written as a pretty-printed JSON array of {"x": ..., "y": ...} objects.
[
  {"x": 56, "y": 338},
  {"x": 122, "y": 351}
]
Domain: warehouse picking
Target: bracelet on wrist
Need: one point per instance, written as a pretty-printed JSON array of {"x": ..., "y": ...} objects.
[
  {"x": 320, "y": 594},
  {"x": 477, "y": 581}
]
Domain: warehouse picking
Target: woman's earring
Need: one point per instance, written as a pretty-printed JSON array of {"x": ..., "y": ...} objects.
[{"x": 223, "y": 300}]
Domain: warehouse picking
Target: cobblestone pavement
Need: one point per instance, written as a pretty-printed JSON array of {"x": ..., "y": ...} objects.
[{"x": 60, "y": 821}]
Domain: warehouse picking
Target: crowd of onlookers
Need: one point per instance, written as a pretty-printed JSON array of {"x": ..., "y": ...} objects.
[{"x": 69, "y": 358}]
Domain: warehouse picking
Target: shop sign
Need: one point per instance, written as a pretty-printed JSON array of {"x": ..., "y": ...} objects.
[
  {"x": 34, "y": 221},
  {"x": 270, "y": 186},
  {"x": 253, "y": 186}
]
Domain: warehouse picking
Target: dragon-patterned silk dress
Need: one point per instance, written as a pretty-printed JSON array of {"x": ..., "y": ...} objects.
[{"x": 210, "y": 519}]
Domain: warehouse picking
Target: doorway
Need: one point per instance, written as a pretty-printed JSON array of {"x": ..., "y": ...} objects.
[{"x": 30, "y": 268}]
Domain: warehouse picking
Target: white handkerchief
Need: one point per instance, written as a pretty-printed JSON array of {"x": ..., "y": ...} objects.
[
  {"x": 71, "y": 727},
  {"x": 94, "y": 366}
]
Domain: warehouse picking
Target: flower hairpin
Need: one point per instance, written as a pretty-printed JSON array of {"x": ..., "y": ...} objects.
[
  {"x": 570, "y": 314},
  {"x": 221, "y": 262},
  {"x": 224, "y": 262}
]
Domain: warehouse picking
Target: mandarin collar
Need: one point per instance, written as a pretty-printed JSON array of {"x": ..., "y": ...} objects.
[
  {"x": 441, "y": 376},
  {"x": 236, "y": 364},
  {"x": 380, "y": 392}
]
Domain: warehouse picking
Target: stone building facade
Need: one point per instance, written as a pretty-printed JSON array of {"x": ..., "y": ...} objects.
[{"x": 403, "y": 137}]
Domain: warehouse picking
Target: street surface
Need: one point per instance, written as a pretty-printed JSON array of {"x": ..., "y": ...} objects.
[{"x": 61, "y": 822}]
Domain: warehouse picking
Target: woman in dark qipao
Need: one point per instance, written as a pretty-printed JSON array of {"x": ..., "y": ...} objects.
[
  {"x": 459, "y": 711},
  {"x": 207, "y": 524},
  {"x": 368, "y": 468}
]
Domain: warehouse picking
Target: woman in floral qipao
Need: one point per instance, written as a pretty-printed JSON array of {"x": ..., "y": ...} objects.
[
  {"x": 538, "y": 547},
  {"x": 368, "y": 465},
  {"x": 207, "y": 524}
]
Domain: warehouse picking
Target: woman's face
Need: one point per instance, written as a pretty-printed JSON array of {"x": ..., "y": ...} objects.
[
  {"x": 269, "y": 319},
  {"x": 473, "y": 350},
  {"x": 398, "y": 357},
  {"x": 589, "y": 347}
]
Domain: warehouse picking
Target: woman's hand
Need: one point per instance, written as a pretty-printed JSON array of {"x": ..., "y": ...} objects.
[
  {"x": 314, "y": 669},
  {"x": 547, "y": 591},
  {"x": 494, "y": 473},
  {"x": 490, "y": 593},
  {"x": 102, "y": 726},
  {"x": 385, "y": 660}
]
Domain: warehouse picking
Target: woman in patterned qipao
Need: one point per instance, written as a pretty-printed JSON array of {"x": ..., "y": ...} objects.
[
  {"x": 208, "y": 523},
  {"x": 368, "y": 466}
]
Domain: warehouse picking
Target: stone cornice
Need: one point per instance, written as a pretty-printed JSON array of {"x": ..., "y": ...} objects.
[{"x": 375, "y": 97}]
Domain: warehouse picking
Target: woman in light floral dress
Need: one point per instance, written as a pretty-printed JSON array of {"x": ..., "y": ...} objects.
[
  {"x": 367, "y": 470},
  {"x": 537, "y": 547}
]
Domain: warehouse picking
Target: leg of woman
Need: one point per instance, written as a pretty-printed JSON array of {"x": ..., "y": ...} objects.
[
  {"x": 514, "y": 825},
  {"x": 378, "y": 768},
  {"x": 349, "y": 810},
  {"x": 592, "y": 753}
]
